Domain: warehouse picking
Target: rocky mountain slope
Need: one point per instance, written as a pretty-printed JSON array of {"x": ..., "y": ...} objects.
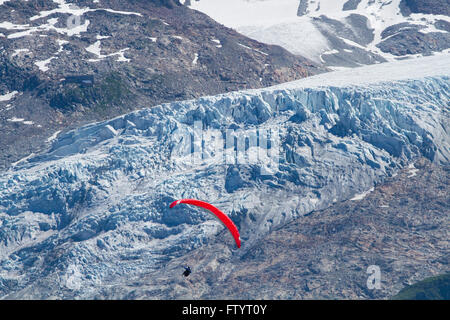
[
  {"x": 90, "y": 217},
  {"x": 65, "y": 63},
  {"x": 340, "y": 33}
]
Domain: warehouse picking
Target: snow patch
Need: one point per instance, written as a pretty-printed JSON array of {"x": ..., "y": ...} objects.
[
  {"x": 69, "y": 8},
  {"x": 53, "y": 136},
  {"x": 14, "y": 119},
  {"x": 42, "y": 65},
  {"x": 63, "y": 8},
  {"x": 19, "y": 51},
  {"x": 50, "y": 25},
  {"x": 96, "y": 50},
  {"x": 412, "y": 170},
  {"x": 361, "y": 196},
  {"x": 333, "y": 51},
  {"x": 249, "y": 48},
  {"x": 99, "y": 37},
  {"x": 12, "y": 26},
  {"x": 8, "y": 96},
  {"x": 194, "y": 62},
  {"x": 218, "y": 44},
  {"x": 61, "y": 43},
  {"x": 31, "y": 155},
  {"x": 352, "y": 43}
]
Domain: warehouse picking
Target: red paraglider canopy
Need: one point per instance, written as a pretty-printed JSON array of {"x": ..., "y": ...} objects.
[{"x": 219, "y": 214}]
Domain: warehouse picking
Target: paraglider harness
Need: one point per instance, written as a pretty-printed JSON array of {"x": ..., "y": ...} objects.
[{"x": 187, "y": 271}]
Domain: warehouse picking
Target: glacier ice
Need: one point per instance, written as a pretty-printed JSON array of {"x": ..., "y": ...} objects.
[{"x": 94, "y": 209}]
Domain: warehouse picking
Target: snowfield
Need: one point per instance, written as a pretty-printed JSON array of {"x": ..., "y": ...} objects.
[
  {"x": 378, "y": 73},
  {"x": 93, "y": 210},
  {"x": 313, "y": 27}
]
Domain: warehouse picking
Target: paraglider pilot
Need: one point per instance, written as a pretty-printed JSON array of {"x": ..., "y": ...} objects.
[{"x": 187, "y": 271}]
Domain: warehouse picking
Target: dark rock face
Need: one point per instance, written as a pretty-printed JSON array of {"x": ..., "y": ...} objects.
[
  {"x": 351, "y": 5},
  {"x": 157, "y": 51},
  {"x": 399, "y": 40},
  {"x": 302, "y": 8},
  {"x": 166, "y": 3},
  {"x": 442, "y": 25},
  {"x": 412, "y": 41},
  {"x": 426, "y": 6}
]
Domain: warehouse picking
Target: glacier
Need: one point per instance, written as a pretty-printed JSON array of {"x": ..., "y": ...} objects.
[{"x": 93, "y": 210}]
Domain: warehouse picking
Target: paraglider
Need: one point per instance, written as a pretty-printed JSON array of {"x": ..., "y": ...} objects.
[{"x": 219, "y": 214}]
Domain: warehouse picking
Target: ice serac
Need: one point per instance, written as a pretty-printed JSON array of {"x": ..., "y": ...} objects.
[{"x": 93, "y": 211}]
